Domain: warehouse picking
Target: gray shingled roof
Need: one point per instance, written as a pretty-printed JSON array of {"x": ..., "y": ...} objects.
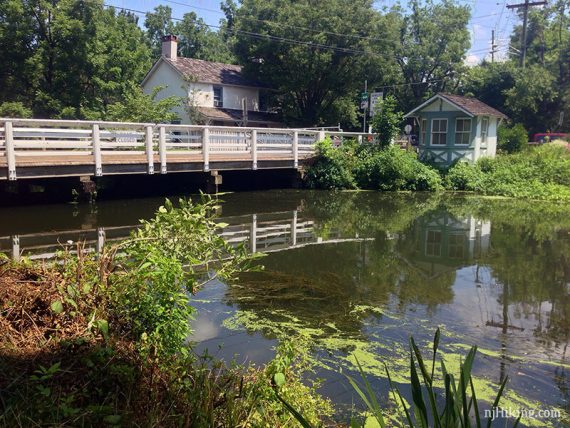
[
  {"x": 473, "y": 105},
  {"x": 237, "y": 115},
  {"x": 212, "y": 72}
]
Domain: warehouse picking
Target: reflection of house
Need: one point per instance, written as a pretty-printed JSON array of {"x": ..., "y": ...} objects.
[
  {"x": 445, "y": 241},
  {"x": 453, "y": 127},
  {"x": 216, "y": 92}
]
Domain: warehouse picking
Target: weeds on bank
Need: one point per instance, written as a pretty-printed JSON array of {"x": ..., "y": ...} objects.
[{"x": 97, "y": 340}]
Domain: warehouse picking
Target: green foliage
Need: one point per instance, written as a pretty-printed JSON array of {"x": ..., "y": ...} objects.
[
  {"x": 537, "y": 173},
  {"x": 333, "y": 167},
  {"x": 196, "y": 39},
  {"x": 394, "y": 169},
  {"x": 69, "y": 55},
  {"x": 387, "y": 120},
  {"x": 433, "y": 40},
  {"x": 511, "y": 139},
  {"x": 15, "y": 109},
  {"x": 456, "y": 391},
  {"x": 171, "y": 256},
  {"x": 370, "y": 167},
  {"x": 140, "y": 107}
]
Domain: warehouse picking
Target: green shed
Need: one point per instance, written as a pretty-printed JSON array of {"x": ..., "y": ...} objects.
[{"x": 454, "y": 127}]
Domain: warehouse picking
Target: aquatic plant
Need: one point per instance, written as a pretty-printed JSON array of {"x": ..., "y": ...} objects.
[{"x": 460, "y": 409}]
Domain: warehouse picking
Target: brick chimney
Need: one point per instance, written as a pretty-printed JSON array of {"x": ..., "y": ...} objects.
[{"x": 170, "y": 47}]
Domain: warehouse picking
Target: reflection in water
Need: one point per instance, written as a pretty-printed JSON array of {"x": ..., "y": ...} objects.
[{"x": 361, "y": 272}]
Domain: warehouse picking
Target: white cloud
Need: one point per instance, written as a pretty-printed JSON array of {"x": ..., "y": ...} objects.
[{"x": 472, "y": 60}]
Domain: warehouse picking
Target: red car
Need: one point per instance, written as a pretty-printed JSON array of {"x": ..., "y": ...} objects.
[{"x": 545, "y": 137}]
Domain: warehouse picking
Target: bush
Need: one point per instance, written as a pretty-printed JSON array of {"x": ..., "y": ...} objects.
[
  {"x": 512, "y": 139},
  {"x": 463, "y": 176},
  {"x": 386, "y": 121},
  {"x": 395, "y": 169},
  {"x": 538, "y": 173},
  {"x": 15, "y": 109},
  {"x": 333, "y": 167}
]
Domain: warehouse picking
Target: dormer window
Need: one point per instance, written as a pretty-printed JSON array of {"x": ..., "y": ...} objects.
[{"x": 218, "y": 96}]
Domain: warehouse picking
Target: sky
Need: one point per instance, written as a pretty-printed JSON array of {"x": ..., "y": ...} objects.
[{"x": 486, "y": 15}]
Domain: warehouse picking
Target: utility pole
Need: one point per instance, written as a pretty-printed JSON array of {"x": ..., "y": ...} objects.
[
  {"x": 366, "y": 105},
  {"x": 493, "y": 46},
  {"x": 525, "y": 6}
]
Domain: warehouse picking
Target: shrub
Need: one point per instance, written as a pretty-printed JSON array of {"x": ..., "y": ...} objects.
[
  {"x": 538, "y": 173},
  {"x": 395, "y": 169},
  {"x": 15, "y": 109},
  {"x": 512, "y": 139},
  {"x": 333, "y": 167},
  {"x": 386, "y": 122},
  {"x": 463, "y": 176}
]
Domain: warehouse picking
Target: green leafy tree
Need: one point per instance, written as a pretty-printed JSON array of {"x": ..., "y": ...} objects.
[
  {"x": 512, "y": 138},
  {"x": 316, "y": 58},
  {"x": 387, "y": 120},
  {"x": 158, "y": 23},
  {"x": 140, "y": 107},
  {"x": 14, "y": 109},
  {"x": 434, "y": 40}
]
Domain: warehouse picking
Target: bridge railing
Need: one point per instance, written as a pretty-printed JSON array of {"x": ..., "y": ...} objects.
[{"x": 55, "y": 142}]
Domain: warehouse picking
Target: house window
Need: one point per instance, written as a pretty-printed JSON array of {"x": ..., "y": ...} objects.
[
  {"x": 462, "y": 132},
  {"x": 484, "y": 129},
  {"x": 433, "y": 243},
  {"x": 218, "y": 96},
  {"x": 439, "y": 132},
  {"x": 423, "y": 127}
]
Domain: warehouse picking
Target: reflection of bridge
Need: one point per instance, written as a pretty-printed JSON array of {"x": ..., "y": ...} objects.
[{"x": 260, "y": 232}]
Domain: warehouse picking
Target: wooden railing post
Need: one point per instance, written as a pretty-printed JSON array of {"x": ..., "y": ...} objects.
[
  {"x": 206, "y": 148},
  {"x": 321, "y": 136},
  {"x": 97, "y": 151},
  {"x": 16, "y": 248},
  {"x": 101, "y": 237},
  {"x": 254, "y": 148},
  {"x": 296, "y": 149},
  {"x": 253, "y": 235},
  {"x": 162, "y": 149},
  {"x": 149, "y": 149},
  {"x": 10, "y": 150},
  {"x": 294, "y": 229}
]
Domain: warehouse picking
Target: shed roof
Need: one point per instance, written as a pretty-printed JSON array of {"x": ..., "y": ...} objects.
[{"x": 471, "y": 106}]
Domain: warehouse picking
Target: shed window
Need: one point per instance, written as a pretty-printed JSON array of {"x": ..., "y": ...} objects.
[
  {"x": 218, "y": 96},
  {"x": 433, "y": 243},
  {"x": 462, "y": 132},
  {"x": 484, "y": 129},
  {"x": 423, "y": 127},
  {"x": 439, "y": 132}
]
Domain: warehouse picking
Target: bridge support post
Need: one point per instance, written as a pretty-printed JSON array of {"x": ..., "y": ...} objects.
[
  {"x": 254, "y": 149},
  {"x": 97, "y": 151},
  {"x": 296, "y": 149},
  {"x": 10, "y": 151},
  {"x": 206, "y": 148},
  {"x": 149, "y": 149},
  {"x": 100, "y": 241},
  {"x": 162, "y": 149},
  {"x": 213, "y": 181}
]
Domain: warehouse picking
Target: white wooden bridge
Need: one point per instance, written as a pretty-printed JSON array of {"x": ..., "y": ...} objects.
[{"x": 34, "y": 148}]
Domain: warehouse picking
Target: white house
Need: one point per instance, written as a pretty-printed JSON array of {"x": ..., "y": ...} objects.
[
  {"x": 454, "y": 127},
  {"x": 216, "y": 92}
]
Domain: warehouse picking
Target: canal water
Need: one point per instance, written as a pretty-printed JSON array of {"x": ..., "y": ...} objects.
[{"x": 352, "y": 275}]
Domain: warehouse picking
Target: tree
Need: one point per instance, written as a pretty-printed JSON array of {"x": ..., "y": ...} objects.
[
  {"x": 433, "y": 43},
  {"x": 315, "y": 58},
  {"x": 68, "y": 58},
  {"x": 140, "y": 107},
  {"x": 387, "y": 120},
  {"x": 196, "y": 39}
]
